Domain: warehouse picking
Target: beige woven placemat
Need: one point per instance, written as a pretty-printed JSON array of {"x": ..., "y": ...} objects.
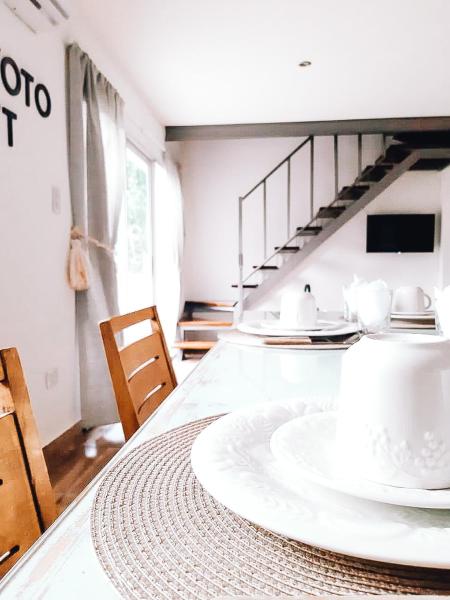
[{"x": 160, "y": 535}]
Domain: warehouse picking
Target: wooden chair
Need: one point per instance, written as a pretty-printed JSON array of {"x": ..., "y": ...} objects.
[
  {"x": 142, "y": 374},
  {"x": 27, "y": 505}
]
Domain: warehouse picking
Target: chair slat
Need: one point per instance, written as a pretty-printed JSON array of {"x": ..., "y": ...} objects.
[
  {"x": 152, "y": 403},
  {"x": 138, "y": 353},
  {"x": 147, "y": 379},
  {"x": 121, "y": 322}
]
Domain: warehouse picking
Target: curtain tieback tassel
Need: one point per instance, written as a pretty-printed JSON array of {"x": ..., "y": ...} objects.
[{"x": 78, "y": 267}]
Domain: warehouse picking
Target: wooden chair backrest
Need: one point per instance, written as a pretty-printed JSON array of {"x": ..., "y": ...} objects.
[
  {"x": 27, "y": 504},
  {"x": 142, "y": 374}
]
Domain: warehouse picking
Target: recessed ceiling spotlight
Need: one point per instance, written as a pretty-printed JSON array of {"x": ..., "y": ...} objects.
[{"x": 305, "y": 63}]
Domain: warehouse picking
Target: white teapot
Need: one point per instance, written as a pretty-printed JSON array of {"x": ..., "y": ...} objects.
[{"x": 298, "y": 309}]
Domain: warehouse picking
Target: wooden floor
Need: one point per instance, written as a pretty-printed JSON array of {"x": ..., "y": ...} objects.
[
  {"x": 72, "y": 468},
  {"x": 72, "y": 474}
]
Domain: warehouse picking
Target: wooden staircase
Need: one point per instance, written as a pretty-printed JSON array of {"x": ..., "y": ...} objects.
[
  {"x": 192, "y": 323},
  {"x": 416, "y": 152}
]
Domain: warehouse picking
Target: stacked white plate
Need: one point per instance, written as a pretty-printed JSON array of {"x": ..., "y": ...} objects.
[
  {"x": 273, "y": 327},
  {"x": 427, "y": 315},
  {"x": 273, "y": 464}
]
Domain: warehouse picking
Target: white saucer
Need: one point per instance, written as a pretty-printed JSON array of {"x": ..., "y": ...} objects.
[
  {"x": 306, "y": 446},
  {"x": 260, "y": 328},
  {"x": 427, "y": 314},
  {"x": 321, "y": 325}
]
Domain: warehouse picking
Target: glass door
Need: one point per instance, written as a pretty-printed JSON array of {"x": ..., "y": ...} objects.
[{"x": 134, "y": 248}]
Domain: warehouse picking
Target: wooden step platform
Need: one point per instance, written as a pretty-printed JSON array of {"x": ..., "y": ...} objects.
[
  {"x": 212, "y": 303},
  {"x": 199, "y": 345},
  {"x": 207, "y": 306},
  {"x": 194, "y": 347},
  {"x": 203, "y": 324}
]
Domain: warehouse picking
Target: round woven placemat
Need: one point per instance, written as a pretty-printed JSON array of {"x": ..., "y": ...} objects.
[{"x": 160, "y": 535}]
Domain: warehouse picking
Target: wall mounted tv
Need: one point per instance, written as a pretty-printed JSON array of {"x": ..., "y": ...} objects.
[{"x": 400, "y": 233}]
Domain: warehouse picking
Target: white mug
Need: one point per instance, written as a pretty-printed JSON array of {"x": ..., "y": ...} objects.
[
  {"x": 410, "y": 298},
  {"x": 298, "y": 310},
  {"x": 394, "y": 410}
]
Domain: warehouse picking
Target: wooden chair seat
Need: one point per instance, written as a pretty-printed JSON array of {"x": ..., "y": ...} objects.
[{"x": 141, "y": 372}]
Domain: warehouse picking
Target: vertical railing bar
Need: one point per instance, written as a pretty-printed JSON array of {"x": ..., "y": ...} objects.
[
  {"x": 241, "y": 264},
  {"x": 265, "y": 217},
  {"x": 336, "y": 166},
  {"x": 311, "y": 178},
  {"x": 288, "y": 208},
  {"x": 359, "y": 154}
]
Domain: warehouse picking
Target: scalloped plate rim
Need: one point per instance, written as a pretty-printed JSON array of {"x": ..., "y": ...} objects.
[{"x": 357, "y": 486}]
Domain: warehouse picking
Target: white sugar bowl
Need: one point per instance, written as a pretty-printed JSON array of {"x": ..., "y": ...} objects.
[{"x": 394, "y": 410}]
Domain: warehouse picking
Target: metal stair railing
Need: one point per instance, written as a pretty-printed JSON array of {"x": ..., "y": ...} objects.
[{"x": 298, "y": 232}]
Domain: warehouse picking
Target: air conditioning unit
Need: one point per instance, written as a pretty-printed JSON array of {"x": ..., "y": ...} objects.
[{"x": 39, "y": 15}]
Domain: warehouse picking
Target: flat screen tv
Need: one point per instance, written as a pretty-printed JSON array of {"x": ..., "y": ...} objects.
[{"x": 400, "y": 233}]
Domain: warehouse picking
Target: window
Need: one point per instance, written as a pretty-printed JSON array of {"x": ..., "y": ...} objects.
[{"x": 134, "y": 248}]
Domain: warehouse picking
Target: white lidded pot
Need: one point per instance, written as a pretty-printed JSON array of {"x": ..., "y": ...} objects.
[
  {"x": 394, "y": 410},
  {"x": 298, "y": 309}
]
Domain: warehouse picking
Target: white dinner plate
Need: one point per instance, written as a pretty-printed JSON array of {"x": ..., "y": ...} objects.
[
  {"x": 307, "y": 447},
  {"x": 233, "y": 462},
  {"x": 260, "y": 328},
  {"x": 427, "y": 314}
]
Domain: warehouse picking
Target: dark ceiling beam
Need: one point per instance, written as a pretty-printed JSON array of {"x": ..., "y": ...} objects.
[{"x": 175, "y": 133}]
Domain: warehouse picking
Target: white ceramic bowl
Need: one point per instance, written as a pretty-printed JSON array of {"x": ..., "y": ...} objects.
[{"x": 394, "y": 410}]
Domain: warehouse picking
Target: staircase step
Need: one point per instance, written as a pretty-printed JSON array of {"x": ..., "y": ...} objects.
[
  {"x": 353, "y": 192},
  {"x": 246, "y": 286},
  {"x": 374, "y": 173},
  {"x": 394, "y": 155},
  {"x": 203, "y": 324},
  {"x": 211, "y": 303},
  {"x": 430, "y": 164},
  {"x": 195, "y": 345},
  {"x": 266, "y": 267},
  {"x": 330, "y": 212},
  {"x": 425, "y": 139},
  {"x": 206, "y": 306},
  {"x": 288, "y": 249},
  {"x": 310, "y": 230}
]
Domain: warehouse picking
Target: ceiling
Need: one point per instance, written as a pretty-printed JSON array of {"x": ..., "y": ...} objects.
[{"x": 201, "y": 62}]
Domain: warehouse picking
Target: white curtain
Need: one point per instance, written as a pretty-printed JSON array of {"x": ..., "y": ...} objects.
[
  {"x": 97, "y": 170},
  {"x": 169, "y": 243}
]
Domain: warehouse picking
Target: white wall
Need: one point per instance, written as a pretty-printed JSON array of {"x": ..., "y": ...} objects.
[
  {"x": 345, "y": 253},
  {"x": 215, "y": 173},
  {"x": 36, "y": 304}
]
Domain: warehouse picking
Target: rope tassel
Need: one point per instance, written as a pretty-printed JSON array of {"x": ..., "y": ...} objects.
[{"x": 79, "y": 259}]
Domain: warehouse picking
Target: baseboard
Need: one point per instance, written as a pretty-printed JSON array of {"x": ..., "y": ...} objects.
[{"x": 61, "y": 448}]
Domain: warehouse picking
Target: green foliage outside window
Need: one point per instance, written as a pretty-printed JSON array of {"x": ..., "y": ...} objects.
[{"x": 137, "y": 219}]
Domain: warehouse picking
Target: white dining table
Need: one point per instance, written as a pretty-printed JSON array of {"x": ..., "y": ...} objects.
[{"x": 63, "y": 562}]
